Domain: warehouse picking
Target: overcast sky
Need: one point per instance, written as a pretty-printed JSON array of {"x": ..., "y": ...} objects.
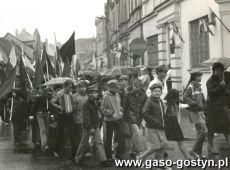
[{"x": 49, "y": 16}]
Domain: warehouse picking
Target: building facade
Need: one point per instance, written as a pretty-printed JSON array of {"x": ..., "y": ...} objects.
[
  {"x": 85, "y": 51},
  {"x": 101, "y": 53},
  {"x": 182, "y": 33}
]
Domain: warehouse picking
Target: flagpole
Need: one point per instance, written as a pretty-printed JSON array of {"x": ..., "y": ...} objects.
[
  {"x": 12, "y": 103},
  {"x": 220, "y": 20},
  {"x": 47, "y": 70},
  {"x": 57, "y": 57}
]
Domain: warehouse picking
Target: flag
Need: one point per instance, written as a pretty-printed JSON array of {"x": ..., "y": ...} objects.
[
  {"x": 47, "y": 64},
  {"x": 204, "y": 27},
  {"x": 11, "y": 62},
  {"x": 213, "y": 13},
  {"x": 67, "y": 68},
  {"x": 68, "y": 49},
  {"x": 29, "y": 66},
  {"x": 7, "y": 86},
  {"x": 24, "y": 78},
  {"x": 176, "y": 31},
  {"x": 39, "y": 75},
  {"x": 2, "y": 73},
  {"x": 51, "y": 68},
  {"x": 78, "y": 67},
  {"x": 58, "y": 67},
  {"x": 38, "y": 44}
]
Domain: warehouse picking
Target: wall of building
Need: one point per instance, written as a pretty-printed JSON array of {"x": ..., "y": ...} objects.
[{"x": 192, "y": 10}]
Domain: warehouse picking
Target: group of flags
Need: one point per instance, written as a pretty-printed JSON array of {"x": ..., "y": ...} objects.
[{"x": 19, "y": 71}]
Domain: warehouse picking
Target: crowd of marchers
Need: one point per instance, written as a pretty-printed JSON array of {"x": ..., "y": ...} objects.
[{"x": 124, "y": 118}]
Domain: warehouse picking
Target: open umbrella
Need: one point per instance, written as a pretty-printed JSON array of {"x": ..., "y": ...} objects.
[
  {"x": 223, "y": 60},
  {"x": 58, "y": 81},
  {"x": 117, "y": 71}
]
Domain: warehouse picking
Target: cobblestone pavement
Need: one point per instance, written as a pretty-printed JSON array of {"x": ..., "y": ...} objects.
[{"x": 21, "y": 158}]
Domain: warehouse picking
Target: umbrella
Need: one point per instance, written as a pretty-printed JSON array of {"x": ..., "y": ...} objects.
[
  {"x": 223, "y": 60},
  {"x": 91, "y": 73},
  {"x": 117, "y": 71},
  {"x": 58, "y": 81}
]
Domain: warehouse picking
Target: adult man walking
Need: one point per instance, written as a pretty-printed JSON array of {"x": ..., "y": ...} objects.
[{"x": 218, "y": 115}]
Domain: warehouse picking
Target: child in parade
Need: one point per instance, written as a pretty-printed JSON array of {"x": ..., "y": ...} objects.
[
  {"x": 172, "y": 128},
  {"x": 153, "y": 114},
  {"x": 91, "y": 123},
  {"x": 193, "y": 96}
]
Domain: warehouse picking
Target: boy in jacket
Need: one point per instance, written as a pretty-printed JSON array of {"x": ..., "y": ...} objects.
[
  {"x": 153, "y": 114},
  {"x": 91, "y": 123}
]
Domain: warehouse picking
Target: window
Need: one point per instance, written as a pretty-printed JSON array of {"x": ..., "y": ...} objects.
[
  {"x": 199, "y": 42},
  {"x": 152, "y": 50}
]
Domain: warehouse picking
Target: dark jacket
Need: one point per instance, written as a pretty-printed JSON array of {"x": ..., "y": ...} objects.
[
  {"x": 39, "y": 104},
  {"x": 19, "y": 111},
  {"x": 153, "y": 113},
  {"x": 91, "y": 118},
  {"x": 217, "y": 95},
  {"x": 218, "y": 116},
  {"x": 133, "y": 104}
]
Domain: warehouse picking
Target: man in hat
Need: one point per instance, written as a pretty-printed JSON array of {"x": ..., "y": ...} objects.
[
  {"x": 113, "y": 112},
  {"x": 218, "y": 115},
  {"x": 161, "y": 74},
  {"x": 66, "y": 104},
  {"x": 91, "y": 124},
  {"x": 145, "y": 79}
]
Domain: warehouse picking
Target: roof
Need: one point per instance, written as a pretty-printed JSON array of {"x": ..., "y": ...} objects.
[
  {"x": 28, "y": 50},
  {"x": 6, "y": 46},
  {"x": 25, "y": 36}
]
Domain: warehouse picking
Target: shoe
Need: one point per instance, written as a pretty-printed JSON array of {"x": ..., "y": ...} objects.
[
  {"x": 195, "y": 155},
  {"x": 56, "y": 155},
  {"x": 212, "y": 151},
  {"x": 16, "y": 144},
  {"x": 105, "y": 164},
  {"x": 164, "y": 168},
  {"x": 110, "y": 160},
  {"x": 138, "y": 158},
  {"x": 88, "y": 155},
  {"x": 79, "y": 162},
  {"x": 133, "y": 156}
]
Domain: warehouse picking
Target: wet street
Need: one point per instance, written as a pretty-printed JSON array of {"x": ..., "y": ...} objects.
[{"x": 22, "y": 157}]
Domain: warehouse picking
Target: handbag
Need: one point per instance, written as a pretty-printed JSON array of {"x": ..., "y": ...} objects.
[{"x": 198, "y": 96}]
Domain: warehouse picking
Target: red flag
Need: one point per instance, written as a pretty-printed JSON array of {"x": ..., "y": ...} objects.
[
  {"x": 7, "y": 86},
  {"x": 78, "y": 67},
  {"x": 58, "y": 67},
  {"x": 2, "y": 73},
  {"x": 38, "y": 44},
  {"x": 67, "y": 68},
  {"x": 39, "y": 75},
  {"x": 12, "y": 62},
  {"x": 68, "y": 49},
  {"x": 24, "y": 78},
  {"x": 46, "y": 63}
]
